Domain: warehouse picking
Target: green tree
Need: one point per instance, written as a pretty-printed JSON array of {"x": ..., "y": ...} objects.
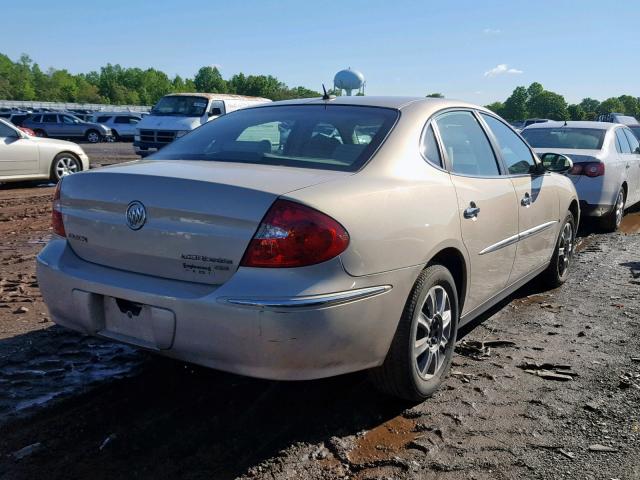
[
  {"x": 631, "y": 105},
  {"x": 590, "y": 108},
  {"x": 611, "y": 105},
  {"x": 548, "y": 105},
  {"x": 576, "y": 112},
  {"x": 515, "y": 107},
  {"x": 209, "y": 80},
  {"x": 497, "y": 108}
]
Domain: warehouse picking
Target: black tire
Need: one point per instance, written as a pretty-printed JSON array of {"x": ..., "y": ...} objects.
[
  {"x": 612, "y": 220},
  {"x": 40, "y": 133},
  {"x": 398, "y": 375},
  {"x": 558, "y": 270},
  {"x": 73, "y": 163},
  {"x": 116, "y": 137},
  {"x": 93, "y": 136}
]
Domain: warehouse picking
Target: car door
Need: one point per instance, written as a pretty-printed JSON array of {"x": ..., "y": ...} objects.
[
  {"x": 627, "y": 159},
  {"x": 487, "y": 204},
  {"x": 634, "y": 169},
  {"x": 538, "y": 215},
  {"x": 18, "y": 156},
  {"x": 126, "y": 125},
  {"x": 50, "y": 125},
  {"x": 70, "y": 127}
]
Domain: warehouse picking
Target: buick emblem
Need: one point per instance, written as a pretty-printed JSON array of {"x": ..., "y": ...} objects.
[{"x": 136, "y": 215}]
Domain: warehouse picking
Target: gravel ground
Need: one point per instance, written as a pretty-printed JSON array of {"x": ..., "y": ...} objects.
[{"x": 545, "y": 386}]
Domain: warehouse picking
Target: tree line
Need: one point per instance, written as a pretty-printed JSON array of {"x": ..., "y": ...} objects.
[
  {"x": 536, "y": 102},
  {"x": 114, "y": 84}
]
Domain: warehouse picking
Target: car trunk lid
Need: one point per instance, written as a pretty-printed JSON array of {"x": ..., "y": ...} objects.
[{"x": 200, "y": 216}]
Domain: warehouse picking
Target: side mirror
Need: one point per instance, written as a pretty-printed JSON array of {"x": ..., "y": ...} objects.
[
  {"x": 556, "y": 162},
  {"x": 215, "y": 111}
]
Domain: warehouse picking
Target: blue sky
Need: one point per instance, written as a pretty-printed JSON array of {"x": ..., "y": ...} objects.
[{"x": 472, "y": 50}]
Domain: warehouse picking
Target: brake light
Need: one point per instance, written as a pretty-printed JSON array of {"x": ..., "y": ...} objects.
[
  {"x": 56, "y": 213},
  {"x": 590, "y": 169},
  {"x": 294, "y": 235}
]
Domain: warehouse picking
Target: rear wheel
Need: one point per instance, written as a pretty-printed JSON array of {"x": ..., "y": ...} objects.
[
  {"x": 611, "y": 221},
  {"x": 422, "y": 348},
  {"x": 64, "y": 164},
  {"x": 558, "y": 270},
  {"x": 92, "y": 136}
]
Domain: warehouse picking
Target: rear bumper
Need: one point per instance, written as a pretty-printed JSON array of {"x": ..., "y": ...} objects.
[
  {"x": 331, "y": 324},
  {"x": 589, "y": 210}
]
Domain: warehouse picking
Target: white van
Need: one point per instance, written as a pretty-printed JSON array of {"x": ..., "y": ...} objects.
[{"x": 178, "y": 113}]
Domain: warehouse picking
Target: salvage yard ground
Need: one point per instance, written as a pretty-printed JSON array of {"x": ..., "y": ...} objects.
[{"x": 546, "y": 386}]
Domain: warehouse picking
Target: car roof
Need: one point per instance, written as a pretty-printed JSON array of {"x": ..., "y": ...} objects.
[
  {"x": 397, "y": 103},
  {"x": 574, "y": 124},
  {"x": 216, "y": 96}
]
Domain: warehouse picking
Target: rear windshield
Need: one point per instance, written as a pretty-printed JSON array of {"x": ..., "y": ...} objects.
[
  {"x": 565, "y": 137},
  {"x": 328, "y": 137}
]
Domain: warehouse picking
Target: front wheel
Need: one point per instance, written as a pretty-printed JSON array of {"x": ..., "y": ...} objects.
[
  {"x": 612, "y": 220},
  {"x": 558, "y": 270},
  {"x": 64, "y": 164},
  {"x": 421, "y": 351},
  {"x": 93, "y": 136}
]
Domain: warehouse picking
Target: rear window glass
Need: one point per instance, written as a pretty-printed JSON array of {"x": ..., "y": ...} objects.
[
  {"x": 565, "y": 137},
  {"x": 329, "y": 137}
]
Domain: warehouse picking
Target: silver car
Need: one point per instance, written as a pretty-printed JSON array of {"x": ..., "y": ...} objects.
[
  {"x": 24, "y": 157},
  {"x": 606, "y": 171},
  {"x": 66, "y": 125},
  {"x": 123, "y": 125},
  {"x": 311, "y": 238}
]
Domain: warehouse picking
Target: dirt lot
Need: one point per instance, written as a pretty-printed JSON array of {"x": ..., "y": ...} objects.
[{"x": 77, "y": 407}]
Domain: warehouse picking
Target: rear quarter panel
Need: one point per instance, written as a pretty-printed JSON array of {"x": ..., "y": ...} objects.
[{"x": 399, "y": 210}]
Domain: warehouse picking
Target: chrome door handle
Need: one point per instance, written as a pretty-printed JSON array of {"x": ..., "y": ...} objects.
[
  {"x": 526, "y": 200},
  {"x": 472, "y": 211}
]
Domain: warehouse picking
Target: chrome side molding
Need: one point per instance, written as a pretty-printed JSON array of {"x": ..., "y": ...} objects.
[
  {"x": 309, "y": 301},
  {"x": 516, "y": 238}
]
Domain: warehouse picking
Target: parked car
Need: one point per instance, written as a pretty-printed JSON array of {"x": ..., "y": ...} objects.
[
  {"x": 25, "y": 157},
  {"x": 65, "y": 125},
  {"x": 532, "y": 121},
  {"x": 15, "y": 117},
  {"x": 636, "y": 130},
  {"x": 177, "y": 114},
  {"x": 123, "y": 125},
  {"x": 618, "y": 118},
  {"x": 28, "y": 131},
  {"x": 606, "y": 170},
  {"x": 260, "y": 245}
]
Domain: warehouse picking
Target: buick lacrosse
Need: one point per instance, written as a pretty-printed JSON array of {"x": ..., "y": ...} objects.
[{"x": 311, "y": 238}]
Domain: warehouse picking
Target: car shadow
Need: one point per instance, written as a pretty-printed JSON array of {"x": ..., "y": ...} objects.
[{"x": 170, "y": 418}]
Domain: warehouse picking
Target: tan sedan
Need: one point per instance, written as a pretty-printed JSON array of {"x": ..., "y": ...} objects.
[{"x": 311, "y": 238}]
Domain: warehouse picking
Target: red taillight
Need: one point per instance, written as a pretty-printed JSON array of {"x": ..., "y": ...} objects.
[
  {"x": 591, "y": 169},
  {"x": 56, "y": 214},
  {"x": 293, "y": 235}
]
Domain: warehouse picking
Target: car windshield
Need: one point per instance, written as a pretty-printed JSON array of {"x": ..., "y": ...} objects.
[
  {"x": 181, "y": 106},
  {"x": 328, "y": 137},
  {"x": 565, "y": 137}
]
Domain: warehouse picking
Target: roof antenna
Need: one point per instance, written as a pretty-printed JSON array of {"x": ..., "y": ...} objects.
[
  {"x": 326, "y": 96},
  {"x": 565, "y": 123}
]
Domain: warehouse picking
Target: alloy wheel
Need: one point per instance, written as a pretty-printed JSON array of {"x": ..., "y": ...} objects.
[
  {"x": 565, "y": 249},
  {"x": 432, "y": 333},
  {"x": 93, "y": 137},
  {"x": 66, "y": 166},
  {"x": 619, "y": 208}
]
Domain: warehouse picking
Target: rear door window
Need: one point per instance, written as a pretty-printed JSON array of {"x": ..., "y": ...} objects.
[
  {"x": 622, "y": 139},
  {"x": 466, "y": 145},
  {"x": 633, "y": 141},
  {"x": 516, "y": 154}
]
